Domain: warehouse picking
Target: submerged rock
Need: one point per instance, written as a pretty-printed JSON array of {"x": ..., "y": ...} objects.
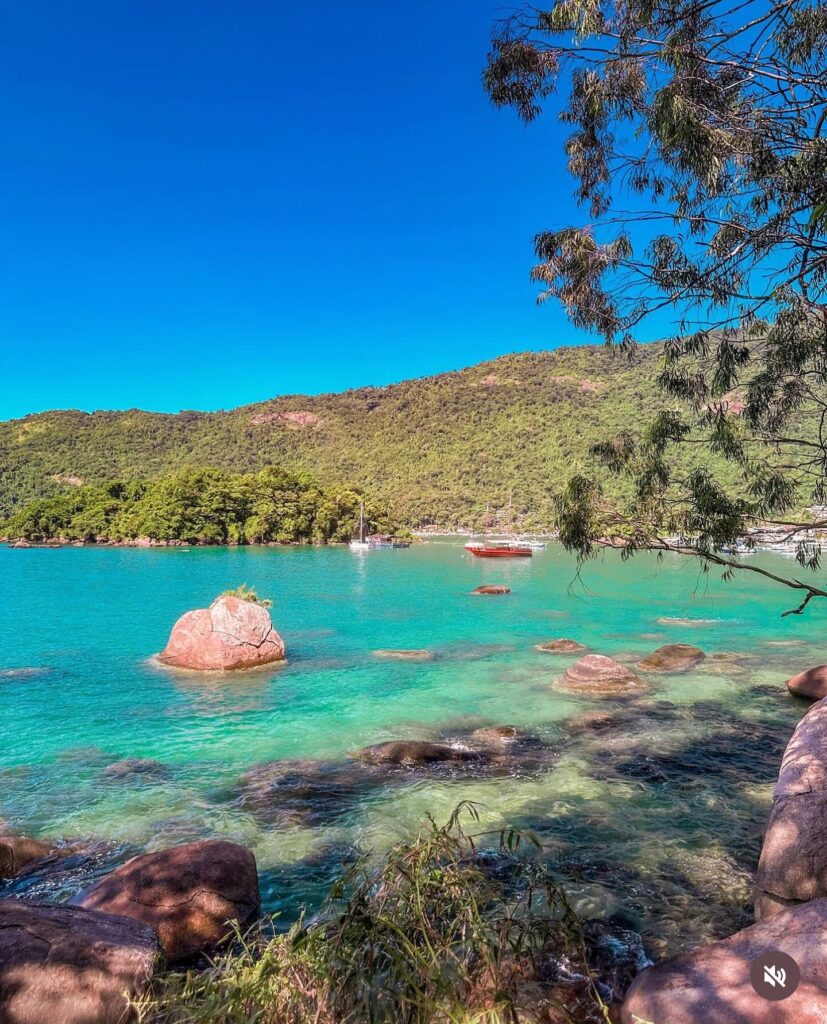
[
  {"x": 711, "y": 985},
  {"x": 305, "y": 792},
  {"x": 811, "y": 683},
  {"x": 499, "y": 734},
  {"x": 230, "y": 634},
  {"x": 23, "y": 673},
  {"x": 414, "y": 752},
  {"x": 64, "y": 965},
  {"x": 561, "y": 646},
  {"x": 596, "y": 721},
  {"x": 405, "y": 655},
  {"x": 72, "y": 866},
  {"x": 793, "y": 863},
  {"x": 595, "y": 675},
  {"x": 19, "y": 852},
  {"x": 135, "y": 767},
  {"x": 491, "y": 589},
  {"x": 190, "y": 895},
  {"x": 672, "y": 658}
]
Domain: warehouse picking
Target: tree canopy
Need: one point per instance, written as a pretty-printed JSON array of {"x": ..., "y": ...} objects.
[
  {"x": 200, "y": 506},
  {"x": 698, "y": 152}
]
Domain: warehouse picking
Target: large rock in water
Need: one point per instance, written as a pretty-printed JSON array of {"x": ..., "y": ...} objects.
[
  {"x": 793, "y": 864},
  {"x": 16, "y": 852},
  {"x": 595, "y": 675},
  {"x": 190, "y": 895},
  {"x": 711, "y": 985},
  {"x": 811, "y": 683},
  {"x": 63, "y": 965},
  {"x": 230, "y": 634},
  {"x": 672, "y": 658},
  {"x": 413, "y": 752},
  {"x": 561, "y": 646}
]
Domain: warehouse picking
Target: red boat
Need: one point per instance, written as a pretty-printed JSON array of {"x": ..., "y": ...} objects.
[{"x": 501, "y": 549}]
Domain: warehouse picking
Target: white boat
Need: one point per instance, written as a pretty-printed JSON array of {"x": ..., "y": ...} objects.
[
  {"x": 360, "y": 544},
  {"x": 533, "y": 543}
]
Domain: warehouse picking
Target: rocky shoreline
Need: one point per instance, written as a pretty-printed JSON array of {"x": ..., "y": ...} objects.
[{"x": 172, "y": 906}]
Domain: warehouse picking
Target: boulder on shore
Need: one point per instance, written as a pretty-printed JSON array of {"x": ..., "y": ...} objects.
[
  {"x": 230, "y": 634},
  {"x": 64, "y": 965},
  {"x": 793, "y": 863},
  {"x": 811, "y": 683},
  {"x": 561, "y": 646},
  {"x": 413, "y": 752},
  {"x": 711, "y": 984},
  {"x": 595, "y": 675},
  {"x": 672, "y": 658},
  {"x": 190, "y": 895},
  {"x": 16, "y": 852},
  {"x": 491, "y": 589}
]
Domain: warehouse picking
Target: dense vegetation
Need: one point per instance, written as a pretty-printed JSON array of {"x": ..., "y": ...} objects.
[
  {"x": 198, "y": 506},
  {"x": 432, "y": 936},
  {"x": 447, "y": 450}
]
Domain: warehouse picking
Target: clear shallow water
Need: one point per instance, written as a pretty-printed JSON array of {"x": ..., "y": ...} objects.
[{"x": 657, "y": 819}]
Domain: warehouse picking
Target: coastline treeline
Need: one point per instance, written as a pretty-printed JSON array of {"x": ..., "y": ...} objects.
[{"x": 199, "y": 506}]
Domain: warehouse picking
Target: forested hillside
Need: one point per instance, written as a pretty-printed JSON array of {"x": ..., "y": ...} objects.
[{"x": 445, "y": 450}]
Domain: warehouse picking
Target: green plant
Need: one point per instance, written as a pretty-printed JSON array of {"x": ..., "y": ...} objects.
[
  {"x": 431, "y": 935},
  {"x": 245, "y": 593}
]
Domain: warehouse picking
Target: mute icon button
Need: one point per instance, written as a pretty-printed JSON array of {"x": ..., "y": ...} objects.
[{"x": 774, "y": 975}]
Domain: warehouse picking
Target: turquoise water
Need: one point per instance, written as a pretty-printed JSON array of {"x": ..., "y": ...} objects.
[{"x": 656, "y": 820}]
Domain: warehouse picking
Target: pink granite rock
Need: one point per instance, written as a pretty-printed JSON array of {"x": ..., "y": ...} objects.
[
  {"x": 230, "y": 634},
  {"x": 63, "y": 965},
  {"x": 190, "y": 895},
  {"x": 711, "y": 985},
  {"x": 793, "y": 864},
  {"x": 811, "y": 683},
  {"x": 595, "y": 675}
]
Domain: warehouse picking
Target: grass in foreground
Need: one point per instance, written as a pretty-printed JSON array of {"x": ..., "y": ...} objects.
[{"x": 437, "y": 933}]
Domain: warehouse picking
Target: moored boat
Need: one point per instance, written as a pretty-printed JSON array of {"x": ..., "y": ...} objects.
[
  {"x": 499, "y": 549},
  {"x": 387, "y": 540},
  {"x": 531, "y": 542},
  {"x": 360, "y": 543}
]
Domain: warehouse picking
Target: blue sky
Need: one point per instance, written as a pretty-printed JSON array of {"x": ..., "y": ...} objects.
[{"x": 207, "y": 203}]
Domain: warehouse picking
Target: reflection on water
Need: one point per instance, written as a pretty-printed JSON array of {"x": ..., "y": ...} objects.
[{"x": 650, "y": 809}]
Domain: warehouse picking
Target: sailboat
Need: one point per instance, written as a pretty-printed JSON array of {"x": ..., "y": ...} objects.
[{"x": 362, "y": 543}]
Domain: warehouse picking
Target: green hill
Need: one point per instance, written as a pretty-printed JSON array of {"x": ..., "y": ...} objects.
[{"x": 440, "y": 450}]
